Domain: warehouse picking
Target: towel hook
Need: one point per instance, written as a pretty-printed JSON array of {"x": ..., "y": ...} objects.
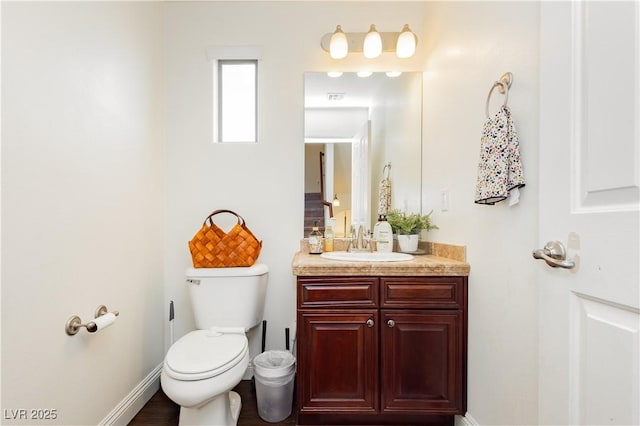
[
  {"x": 386, "y": 168},
  {"x": 503, "y": 85}
]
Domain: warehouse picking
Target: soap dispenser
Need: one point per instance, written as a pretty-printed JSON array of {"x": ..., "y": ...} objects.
[
  {"x": 383, "y": 235},
  {"x": 315, "y": 240},
  {"x": 328, "y": 235}
]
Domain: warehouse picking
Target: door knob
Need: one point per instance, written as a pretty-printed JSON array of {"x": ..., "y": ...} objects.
[
  {"x": 369, "y": 323},
  {"x": 391, "y": 323},
  {"x": 555, "y": 255}
]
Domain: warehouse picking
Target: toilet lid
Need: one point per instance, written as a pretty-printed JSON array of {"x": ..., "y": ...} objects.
[{"x": 203, "y": 353}]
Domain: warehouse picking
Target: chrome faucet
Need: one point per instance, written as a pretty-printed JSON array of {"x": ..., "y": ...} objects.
[{"x": 359, "y": 241}]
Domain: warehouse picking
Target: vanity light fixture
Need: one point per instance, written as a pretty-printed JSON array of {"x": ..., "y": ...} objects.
[
  {"x": 364, "y": 74},
  {"x": 394, "y": 73},
  {"x": 334, "y": 74},
  {"x": 336, "y": 202},
  {"x": 372, "y": 46},
  {"x": 372, "y": 43},
  {"x": 338, "y": 46}
]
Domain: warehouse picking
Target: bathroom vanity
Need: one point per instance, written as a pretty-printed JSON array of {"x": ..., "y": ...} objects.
[{"x": 382, "y": 342}]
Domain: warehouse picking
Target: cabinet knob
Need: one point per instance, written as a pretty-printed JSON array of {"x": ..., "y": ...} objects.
[
  {"x": 369, "y": 323},
  {"x": 391, "y": 323}
]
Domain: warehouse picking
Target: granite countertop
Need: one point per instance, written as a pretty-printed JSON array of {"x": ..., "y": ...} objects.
[{"x": 439, "y": 260}]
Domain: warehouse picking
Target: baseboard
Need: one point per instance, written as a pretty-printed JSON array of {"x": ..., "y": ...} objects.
[
  {"x": 466, "y": 420},
  {"x": 135, "y": 400}
]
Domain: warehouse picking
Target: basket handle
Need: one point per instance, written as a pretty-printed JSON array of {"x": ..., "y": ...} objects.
[{"x": 209, "y": 218}]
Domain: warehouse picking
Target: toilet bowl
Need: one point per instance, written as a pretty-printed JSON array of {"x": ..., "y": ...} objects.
[
  {"x": 202, "y": 367},
  {"x": 199, "y": 372}
]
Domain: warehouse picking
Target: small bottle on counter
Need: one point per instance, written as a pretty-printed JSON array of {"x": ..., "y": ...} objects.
[
  {"x": 383, "y": 235},
  {"x": 328, "y": 236},
  {"x": 315, "y": 240}
]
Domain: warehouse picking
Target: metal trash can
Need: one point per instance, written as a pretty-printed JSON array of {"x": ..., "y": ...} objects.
[{"x": 274, "y": 373}]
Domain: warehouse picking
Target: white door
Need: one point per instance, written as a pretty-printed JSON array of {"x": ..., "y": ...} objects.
[
  {"x": 360, "y": 172},
  {"x": 589, "y": 185}
]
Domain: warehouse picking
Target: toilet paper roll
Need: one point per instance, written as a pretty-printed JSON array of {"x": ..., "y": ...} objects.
[{"x": 103, "y": 321}]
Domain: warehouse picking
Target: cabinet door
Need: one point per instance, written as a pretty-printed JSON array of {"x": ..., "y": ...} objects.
[
  {"x": 422, "y": 361},
  {"x": 337, "y": 361}
]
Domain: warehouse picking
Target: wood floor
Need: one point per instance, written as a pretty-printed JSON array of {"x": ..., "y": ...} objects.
[{"x": 161, "y": 411}]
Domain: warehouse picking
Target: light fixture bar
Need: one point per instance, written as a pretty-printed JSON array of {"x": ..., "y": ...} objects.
[{"x": 355, "y": 41}]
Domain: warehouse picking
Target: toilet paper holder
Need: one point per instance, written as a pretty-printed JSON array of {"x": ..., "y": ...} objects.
[{"x": 74, "y": 323}]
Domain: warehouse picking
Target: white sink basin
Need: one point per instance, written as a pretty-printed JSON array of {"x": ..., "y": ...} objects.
[{"x": 367, "y": 256}]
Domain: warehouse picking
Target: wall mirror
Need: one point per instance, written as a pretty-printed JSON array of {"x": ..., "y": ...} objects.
[{"x": 358, "y": 131}]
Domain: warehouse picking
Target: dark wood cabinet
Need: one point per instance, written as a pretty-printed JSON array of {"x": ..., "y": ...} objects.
[
  {"x": 381, "y": 350},
  {"x": 338, "y": 358},
  {"x": 420, "y": 363}
]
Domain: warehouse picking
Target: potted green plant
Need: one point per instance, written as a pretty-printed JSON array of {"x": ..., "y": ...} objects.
[{"x": 407, "y": 226}]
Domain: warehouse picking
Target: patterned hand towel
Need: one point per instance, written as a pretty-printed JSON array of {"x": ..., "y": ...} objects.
[
  {"x": 499, "y": 168},
  {"x": 384, "y": 200}
]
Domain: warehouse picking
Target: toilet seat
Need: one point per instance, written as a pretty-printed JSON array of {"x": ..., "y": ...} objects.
[{"x": 203, "y": 354}]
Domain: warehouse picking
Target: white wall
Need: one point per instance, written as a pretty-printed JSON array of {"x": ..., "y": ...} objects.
[
  {"x": 334, "y": 122},
  {"x": 263, "y": 182},
  {"x": 470, "y": 45},
  {"x": 396, "y": 129},
  {"x": 82, "y": 203}
]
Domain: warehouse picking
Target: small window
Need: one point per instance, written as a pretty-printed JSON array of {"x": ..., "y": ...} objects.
[{"x": 237, "y": 100}]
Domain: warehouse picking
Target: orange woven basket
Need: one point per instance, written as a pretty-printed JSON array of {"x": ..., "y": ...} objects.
[{"x": 211, "y": 247}]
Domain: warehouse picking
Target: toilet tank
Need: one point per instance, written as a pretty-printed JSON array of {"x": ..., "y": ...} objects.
[{"x": 228, "y": 297}]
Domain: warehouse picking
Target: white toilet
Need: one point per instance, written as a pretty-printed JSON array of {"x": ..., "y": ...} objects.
[{"x": 202, "y": 367}]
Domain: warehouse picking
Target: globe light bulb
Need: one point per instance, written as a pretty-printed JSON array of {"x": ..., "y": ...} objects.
[
  {"x": 372, "y": 43},
  {"x": 338, "y": 46},
  {"x": 406, "y": 44}
]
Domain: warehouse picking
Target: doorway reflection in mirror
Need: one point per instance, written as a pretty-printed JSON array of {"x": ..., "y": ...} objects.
[{"x": 373, "y": 122}]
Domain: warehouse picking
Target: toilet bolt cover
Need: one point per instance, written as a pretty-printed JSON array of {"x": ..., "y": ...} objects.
[{"x": 201, "y": 352}]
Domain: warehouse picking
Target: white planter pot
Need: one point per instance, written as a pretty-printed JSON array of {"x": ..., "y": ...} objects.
[{"x": 408, "y": 243}]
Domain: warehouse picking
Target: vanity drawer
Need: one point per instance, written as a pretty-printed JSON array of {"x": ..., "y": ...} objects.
[
  {"x": 323, "y": 292},
  {"x": 423, "y": 292}
]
